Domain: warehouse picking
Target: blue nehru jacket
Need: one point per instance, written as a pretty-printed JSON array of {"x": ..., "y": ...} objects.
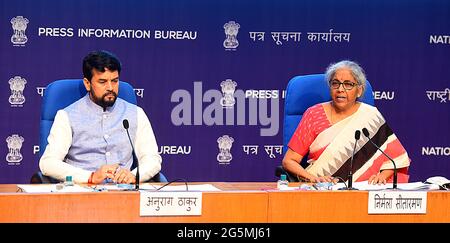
[{"x": 98, "y": 136}]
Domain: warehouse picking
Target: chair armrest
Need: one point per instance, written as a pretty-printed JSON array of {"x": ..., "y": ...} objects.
[
  {"x": 39, "y": 178},
  {"x": 158, "y": 178},
  {"x": 279, "y": 170}
]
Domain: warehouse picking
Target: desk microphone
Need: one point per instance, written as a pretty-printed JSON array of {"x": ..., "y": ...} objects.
[
  {"x": 394, "y": 182},
  {"x": 126, "y": 125},
  {"x": 350, "y": 173}
]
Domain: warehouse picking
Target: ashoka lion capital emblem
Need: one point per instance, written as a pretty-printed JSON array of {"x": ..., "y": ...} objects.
[
  {"x": 14, "y": 145},
  {"x": 228, "y": 88},
  {"x": 231, "y": 31},
  {"x": 17, "y": 85},
  {"x": 225, "y": 142},
  {"x": 19, "y": 25}
]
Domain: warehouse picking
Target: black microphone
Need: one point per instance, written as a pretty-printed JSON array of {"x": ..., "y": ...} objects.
[
  {"x": 350, "y": 173},
  {"x": 126, "y": 125},
  {"x": 394, "y": 181}
]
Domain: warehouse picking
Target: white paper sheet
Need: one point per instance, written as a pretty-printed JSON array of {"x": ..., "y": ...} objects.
[{"x": 42, "y": 188}]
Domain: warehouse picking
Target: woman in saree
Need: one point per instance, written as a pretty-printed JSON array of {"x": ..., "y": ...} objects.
[{"x": 327, "y": 134}]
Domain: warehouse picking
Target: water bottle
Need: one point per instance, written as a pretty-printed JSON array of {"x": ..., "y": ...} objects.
[
  {"x": 282, "y": 182},
  {"x": 68, "y": 181}
]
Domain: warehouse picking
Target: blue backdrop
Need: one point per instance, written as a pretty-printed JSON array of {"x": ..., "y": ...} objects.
[{"x": 177, "y": 55}]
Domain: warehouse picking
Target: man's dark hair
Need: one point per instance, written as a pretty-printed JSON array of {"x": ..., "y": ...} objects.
[{"x": 100, "y": 60}]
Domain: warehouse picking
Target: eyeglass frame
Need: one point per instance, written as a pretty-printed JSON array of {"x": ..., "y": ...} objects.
[{"x": 343, "y": 84}]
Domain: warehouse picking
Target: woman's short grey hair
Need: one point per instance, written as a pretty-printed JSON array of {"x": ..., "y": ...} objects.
[{"x": 355, "y": 69}]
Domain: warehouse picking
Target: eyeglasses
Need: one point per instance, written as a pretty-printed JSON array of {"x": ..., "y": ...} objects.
[{"x": 348, "y": 85}]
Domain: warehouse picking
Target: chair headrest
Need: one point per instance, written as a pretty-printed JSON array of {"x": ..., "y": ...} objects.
[
  {"x": 307, "y": 90},
  {"x": 61, "y": 93}
]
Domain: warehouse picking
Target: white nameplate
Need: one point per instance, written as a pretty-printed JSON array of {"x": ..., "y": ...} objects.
[
  {"x": 397, "y": 202},
  {"x": 170, "y": 203}
]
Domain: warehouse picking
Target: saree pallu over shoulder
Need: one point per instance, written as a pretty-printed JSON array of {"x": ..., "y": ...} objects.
[{"x": 339, "y": 140}]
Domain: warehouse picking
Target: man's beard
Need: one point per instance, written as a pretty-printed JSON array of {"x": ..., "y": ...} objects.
[{"x": 103, "y": 101}]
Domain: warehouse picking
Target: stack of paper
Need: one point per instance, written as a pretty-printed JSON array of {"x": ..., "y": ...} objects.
[{"x": 365, "y": 186}]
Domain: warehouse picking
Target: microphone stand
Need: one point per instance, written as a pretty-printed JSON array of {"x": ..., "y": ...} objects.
[
  {"x": 126, "y": 125},
  {"x": 137, "y": 170},
  {"x": 394, "y": 181},
  {"x": 350, "y": 173}
]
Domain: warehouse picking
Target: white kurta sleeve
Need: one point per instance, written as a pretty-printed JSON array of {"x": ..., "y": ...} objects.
[{"x": 146, "y": 148}]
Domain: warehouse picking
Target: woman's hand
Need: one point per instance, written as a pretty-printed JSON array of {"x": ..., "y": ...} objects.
[
  {"x": 316, "y": 179},
  {"x": 377, "y": 179},
  {"x": 381, "y": 177}
]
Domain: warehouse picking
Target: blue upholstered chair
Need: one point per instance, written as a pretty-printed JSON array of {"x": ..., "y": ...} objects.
[
  {"x": 60, "y": 94},
  {"x": 303, "y": 92}
]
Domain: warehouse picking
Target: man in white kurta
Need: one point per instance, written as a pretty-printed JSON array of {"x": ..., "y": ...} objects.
[{"x": 88, "y": 141}]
